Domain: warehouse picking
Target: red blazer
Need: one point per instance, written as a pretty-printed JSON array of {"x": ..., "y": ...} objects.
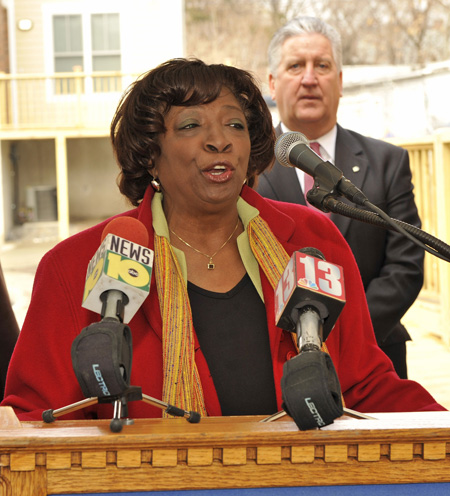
[{"x": 41, "y": 377}]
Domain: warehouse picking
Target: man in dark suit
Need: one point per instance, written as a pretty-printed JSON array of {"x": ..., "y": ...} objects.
[{"x": 305, "y": 63}]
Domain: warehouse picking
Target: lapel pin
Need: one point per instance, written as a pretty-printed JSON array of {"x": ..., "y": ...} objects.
[{"x": 355, "y": 168}]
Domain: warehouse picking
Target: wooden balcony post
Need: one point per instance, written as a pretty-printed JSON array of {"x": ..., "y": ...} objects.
[
  {"x": 79, "y": 93},
  {"x": 62, "y": 186},
  {"x": 442, "y": 157}
]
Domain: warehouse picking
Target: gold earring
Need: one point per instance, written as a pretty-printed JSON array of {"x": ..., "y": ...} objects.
[{"x": 156, "y": 184}]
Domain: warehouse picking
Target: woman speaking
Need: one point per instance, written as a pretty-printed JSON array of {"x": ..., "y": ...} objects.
[{"x": 190, "y": 140}]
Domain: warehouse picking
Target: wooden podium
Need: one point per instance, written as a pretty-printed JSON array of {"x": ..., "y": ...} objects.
[{"x": 79, "y": 457}]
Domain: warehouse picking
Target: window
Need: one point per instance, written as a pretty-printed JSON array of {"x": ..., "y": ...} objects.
[
  {"x": 105, "y": 42},
  {"x": 68, "y": 42},
  {"x": 105, "y": 32},
  {"x": 86, "y": 43}
]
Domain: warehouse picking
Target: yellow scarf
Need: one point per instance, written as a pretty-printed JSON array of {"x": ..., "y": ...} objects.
[{"x": 181, "y": 381}]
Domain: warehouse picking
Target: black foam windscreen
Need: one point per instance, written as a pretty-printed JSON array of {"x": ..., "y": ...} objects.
[
  {"x": 102, "y": 357},
  {"x": 311, "y": 392}
]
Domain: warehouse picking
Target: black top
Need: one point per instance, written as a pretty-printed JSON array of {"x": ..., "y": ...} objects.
[{"x": 232, "y": 331}]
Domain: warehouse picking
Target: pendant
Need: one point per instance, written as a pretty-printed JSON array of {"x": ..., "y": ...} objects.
[{"x": 211, "y": 266}]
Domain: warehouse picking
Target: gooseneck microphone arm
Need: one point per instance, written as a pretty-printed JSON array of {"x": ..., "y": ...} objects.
[
  {"x": 292, "y": 150},
  {"x": 442, "y": 250}
]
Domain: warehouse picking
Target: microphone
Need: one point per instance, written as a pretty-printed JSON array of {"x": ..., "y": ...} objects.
[
  {"x": 309, "y": 290},
  {"x": 117, "y": 283},
  {"x": 308, "y": 299},
  {"x": 292, "y": 150},
  {"x": 118, "y": 275}
]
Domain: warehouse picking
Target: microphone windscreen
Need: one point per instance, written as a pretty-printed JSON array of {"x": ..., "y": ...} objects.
[
  {"x": 314, "y": 252},
  {"x": 127, "y": 228},
  {"x": 284, "y": 143}
]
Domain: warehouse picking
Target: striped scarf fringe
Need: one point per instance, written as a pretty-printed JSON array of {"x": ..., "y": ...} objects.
[{"x": 181, "y": 381}]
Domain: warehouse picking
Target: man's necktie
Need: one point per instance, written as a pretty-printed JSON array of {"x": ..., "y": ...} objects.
[{"x": 309, "y": 180}]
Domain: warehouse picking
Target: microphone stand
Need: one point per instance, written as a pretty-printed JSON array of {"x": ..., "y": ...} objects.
[
  {"x": 311, "y": 392},
  {"x": 347, "y": 411},
  {"x": 323, "y": 402},
  {"x": 101, "y": 359},
  {"x": 323, "y": 197},
  {"x": 133, "y": 393},
  {"x": 310, "y": 385}
]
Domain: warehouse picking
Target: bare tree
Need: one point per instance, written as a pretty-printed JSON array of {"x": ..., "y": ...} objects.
[
  {"x": 372, "y": 31},
  {"x": 390, "y": 31},
  {"x": 283, "y": 10},
  {"x": 228, "y": 31}
]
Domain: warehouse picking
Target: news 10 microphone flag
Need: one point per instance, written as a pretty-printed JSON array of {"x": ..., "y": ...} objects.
[
  {"x": 120, "y": 265},
  {"x": 309, "y": 279}
]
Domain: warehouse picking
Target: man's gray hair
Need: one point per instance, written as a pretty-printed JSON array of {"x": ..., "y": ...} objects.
[{"x": 299, "y": 26}]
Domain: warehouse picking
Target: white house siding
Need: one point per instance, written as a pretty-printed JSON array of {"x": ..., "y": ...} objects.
[{"x": 152, "y": 31}]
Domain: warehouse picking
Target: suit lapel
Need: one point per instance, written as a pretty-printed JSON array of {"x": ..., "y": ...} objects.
[{"x": 350, "y": 159}]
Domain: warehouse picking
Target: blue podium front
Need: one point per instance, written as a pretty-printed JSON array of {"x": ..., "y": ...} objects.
[{"x": 420, "y": 489}]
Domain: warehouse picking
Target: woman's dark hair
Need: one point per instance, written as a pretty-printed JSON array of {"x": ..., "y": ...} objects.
[{"x": 139, "y": 119}]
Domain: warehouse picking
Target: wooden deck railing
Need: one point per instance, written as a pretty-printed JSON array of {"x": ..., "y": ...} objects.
[
  {"x": 430, "y": 165},
  {"x": 62, "y": 100}
]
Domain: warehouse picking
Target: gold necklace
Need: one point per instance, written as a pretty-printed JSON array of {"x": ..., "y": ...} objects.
[{"x": 210, "y": 265}]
